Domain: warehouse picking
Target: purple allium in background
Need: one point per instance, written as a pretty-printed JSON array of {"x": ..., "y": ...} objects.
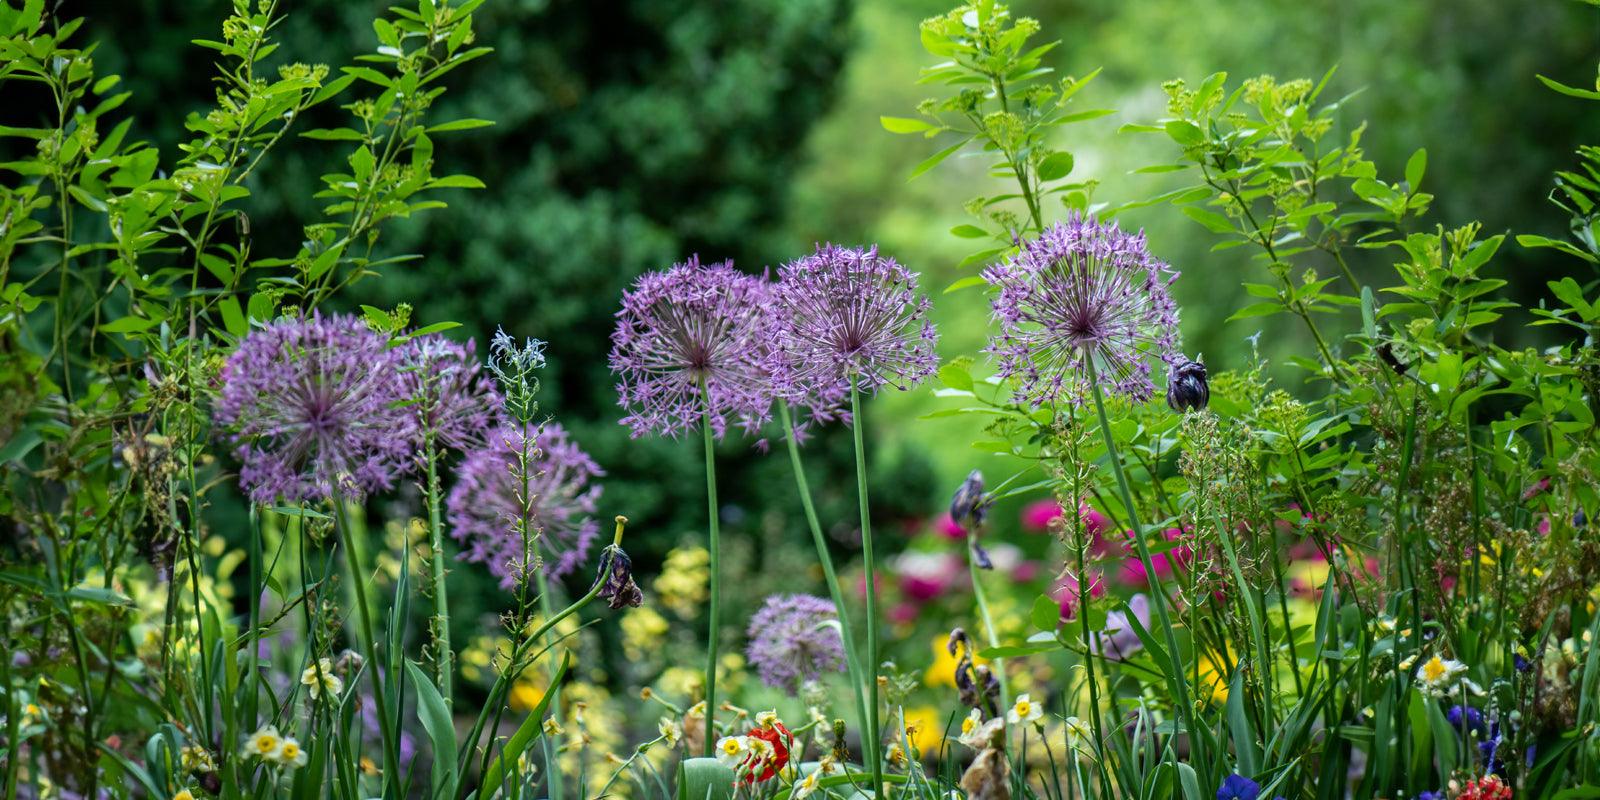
[
  {"x": 1083, "y": 291},
  {"x": 846, "y": 313},
  {"x": 484, "y": 508},
  {"x": 790, "y": 641},
  {"x": 686, "y": 326},
  {"x": 311, "y": 402},
  {"x": 1119, "y": 640},
  {"x": 453, "y": 397}
]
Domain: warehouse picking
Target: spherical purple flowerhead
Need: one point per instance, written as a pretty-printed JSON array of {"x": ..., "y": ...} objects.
[
  {"x": 1082, "y": 293},
  {"x": 313, "y": 404},
  {"x": 791, "y": 640},
  {"x": 691, "y": 343},
  {"x": 557, "y": 496},
  {"x": 451, "y": 395},
  {"x": 850, "y": 314}
]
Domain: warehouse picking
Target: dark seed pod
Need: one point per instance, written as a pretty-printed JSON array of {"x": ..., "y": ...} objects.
[
  {"x": 969, "y": 506},
  {"x": 616, "y": 571},
  {"x": 1187, "y": 389}
]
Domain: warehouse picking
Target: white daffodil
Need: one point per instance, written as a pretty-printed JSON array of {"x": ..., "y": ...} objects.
[
  {"x": 1437, "y": 676},
  {"x": 319, "y": 678},
  {"x": 976, "y": 733},
  {"x": 1077, "y": 732},
  {"x": 804, "y": 787},
  {"x": 671, "y": 732},
  {"x": 263, "y": 743},
  {"x": 1024, "y": 710},
  {"x": 766, "y": 719},
  {"x": 733, "y": 750},
  {"x": 290, "y": 753}
]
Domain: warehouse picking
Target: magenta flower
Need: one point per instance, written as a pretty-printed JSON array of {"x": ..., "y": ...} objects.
[
  {"x": 691, "y": 343},
  {"x": 314, "y": 406},
  {"x": 485, "y": 507},
  {"x": 1037, "y": 516},
  {"x": 1083, "y": 293},
  {"x": 451, "y": 396},
  {"x": 792, "y": 641},
  {"x": 848, "y": 314}
]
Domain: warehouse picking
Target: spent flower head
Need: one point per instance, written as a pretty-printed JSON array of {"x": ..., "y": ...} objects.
[
  {"x": 315, "y": 406},
  {"x": 1082, "y": 296},
  {"x": 795, "y": 638},
  {"x": 556, "y": 496},
  {"x": 848, "y": 314},
  {"x": 692, "y": 346}
]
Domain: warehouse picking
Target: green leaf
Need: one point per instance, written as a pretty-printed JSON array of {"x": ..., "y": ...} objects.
[
  {"x": 1184, "y": 133},
  {"x": 1046, "y": 613},
  {"x": 441, "y": 730},
  {"x": 905, "y": 125},
  {"x": 933, "y": 161},
  {"x": 1055, "y": 166},
  {"x": 333, "y": 134},
  {"x": 969, "y": 232},
  {"x": 1256, "y": 310},
  {"x": 1570, "y": 91},
  {"x": 460, "y": 125},
  {"x": 1214, "y": 222},
  {"x": 233, "y": 316},
  {"x": 129, "y": 324},
  {"x": 527, "y": 733},
  {"x": 956, "y": 376},
  {"x": 455, "y": 182},
  {"x": 705, "y": 779},
  {"x": 1415, "y": 166},
  {"x": 962, "y": 283}
]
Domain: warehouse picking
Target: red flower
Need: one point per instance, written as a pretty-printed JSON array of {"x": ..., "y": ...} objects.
[
  {"x": 1489, "y": 787},
  {"x": 778, "y": 737}
]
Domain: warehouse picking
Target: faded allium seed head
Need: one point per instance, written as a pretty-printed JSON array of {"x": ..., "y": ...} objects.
[
  {"x": 1084, "y": 294},
  {"x": 557, "y": 495},
  {"x": 315, "y": 405},
  {"x": 451, "y": 396},
  {"x": 692, "y": 343},
  {"x": 1187, "y": 389},
  {"x": 618, "y": 588},
  {"x": 848, "y": 314},
  {"x": 516, "y": 369},
  {"x": 968, "y": 506},
  {"x": 791, "y": 640}
]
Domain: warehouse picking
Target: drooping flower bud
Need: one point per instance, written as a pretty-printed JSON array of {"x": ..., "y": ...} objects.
[
  {"x": 1187, "y": 389},
  {"x": 969, "y": 506},
  {"x": 616, "y": 571}
]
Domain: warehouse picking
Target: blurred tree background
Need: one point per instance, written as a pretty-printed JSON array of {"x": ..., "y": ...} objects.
[{"x": 632, "y": 133}]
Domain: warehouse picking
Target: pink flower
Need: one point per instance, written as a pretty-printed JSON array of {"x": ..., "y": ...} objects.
[
  {"x": 1069, "y": 593},
  {"x": 1133, "y": 572},
  {"x": 904, "y": 613},
  {"x": 1026, "y": 571},
  {"x": 926, "y": 576},
  {"x": 948, "y": 528},
  {"x": 1037, "y": 516}
]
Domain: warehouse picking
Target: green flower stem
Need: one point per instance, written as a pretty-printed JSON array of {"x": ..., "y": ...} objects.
[
  {"x": 445, "y": 655},
  {"x": 715, "y": 547},
  {"x": 988, "y": 622},
  {"x": 857, "y": 423},
  {"x": 852, "y": 658},
  {"x": 253, "y": 654},
  {"x": 1158, "y": 599},
  {"x": 546, "y": 610},
  {"x": 369, "y": 640}
]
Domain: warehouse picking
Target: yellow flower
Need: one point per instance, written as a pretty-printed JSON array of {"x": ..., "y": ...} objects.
[
  {"x": 368, "y": 766},
  {"x": 804, "y": 787},
  {"x": 942, "y": 672},
  {"x": 1213, "y": 684},
  {"x": 682, "y": 583},
  {"x": 263, "y": 743},
  {"x": 552, "y": 727},
  {"x": 525, "y": 696},
  {"x": 766, "y": 719},
  {"x": 896, "y": 755},
  {"x": 183, "y": 794},
  {"x": 642, "y": 632},
  {"x": 671, "y": 732},
  {"x": 922, "y": 728},
  {"x": 733, "y": 750},
  {"x": 197, "y": 759}
]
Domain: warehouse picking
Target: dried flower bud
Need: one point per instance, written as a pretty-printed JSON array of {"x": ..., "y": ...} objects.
[
  {"x": 969, "y": 506},
  {"x": 616, "y": 572},
  {"x": 989, "y": 777},
  {"x": 1187, "y": 389}
]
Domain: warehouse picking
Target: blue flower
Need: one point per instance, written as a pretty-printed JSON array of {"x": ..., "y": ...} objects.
[
  {"x": 1238, "y": 787},
  {"x": 1466, "y": 718}
]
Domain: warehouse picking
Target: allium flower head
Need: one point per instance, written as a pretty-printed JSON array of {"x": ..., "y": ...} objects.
[
  {"x": 849, "y": 313},
  {"x": 1083, "y": 293},
  {"x": 791, "y": 642},
  {"x": 689, "y": 327},
  {"x": 486, "y": 502},
  {"x": 313, "y": 404},
  {"x": 451, "y": 396}
]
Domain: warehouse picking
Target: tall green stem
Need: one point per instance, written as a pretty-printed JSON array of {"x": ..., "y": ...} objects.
[
  {"x": 856, "y": 426},
  {"x": 1158, "y": 599},
  {"x": 715, "y": 549},
  {"x": 444, "y": 655},
  {"x": 369, "y": 641},
  {"x": 852, "y": 658},
  {"x": 988, "y": 622},
  {"x": 547, "y": 610}
]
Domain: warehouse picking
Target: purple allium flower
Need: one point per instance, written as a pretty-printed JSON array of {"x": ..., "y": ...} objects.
[
  {"x": 850, "y": 314},
  {"x": 1119, "y": 640},
  {"x": 1238, "y": 787},
  {"x": 451, "y": 395},
  {"x": 1083, "y": 292},
  {"x": 792, "y": 641},
  {"x": 484, "y": 506},
  {"x": 311, "y": 402},
  {"x": 689, "y": 327}
]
